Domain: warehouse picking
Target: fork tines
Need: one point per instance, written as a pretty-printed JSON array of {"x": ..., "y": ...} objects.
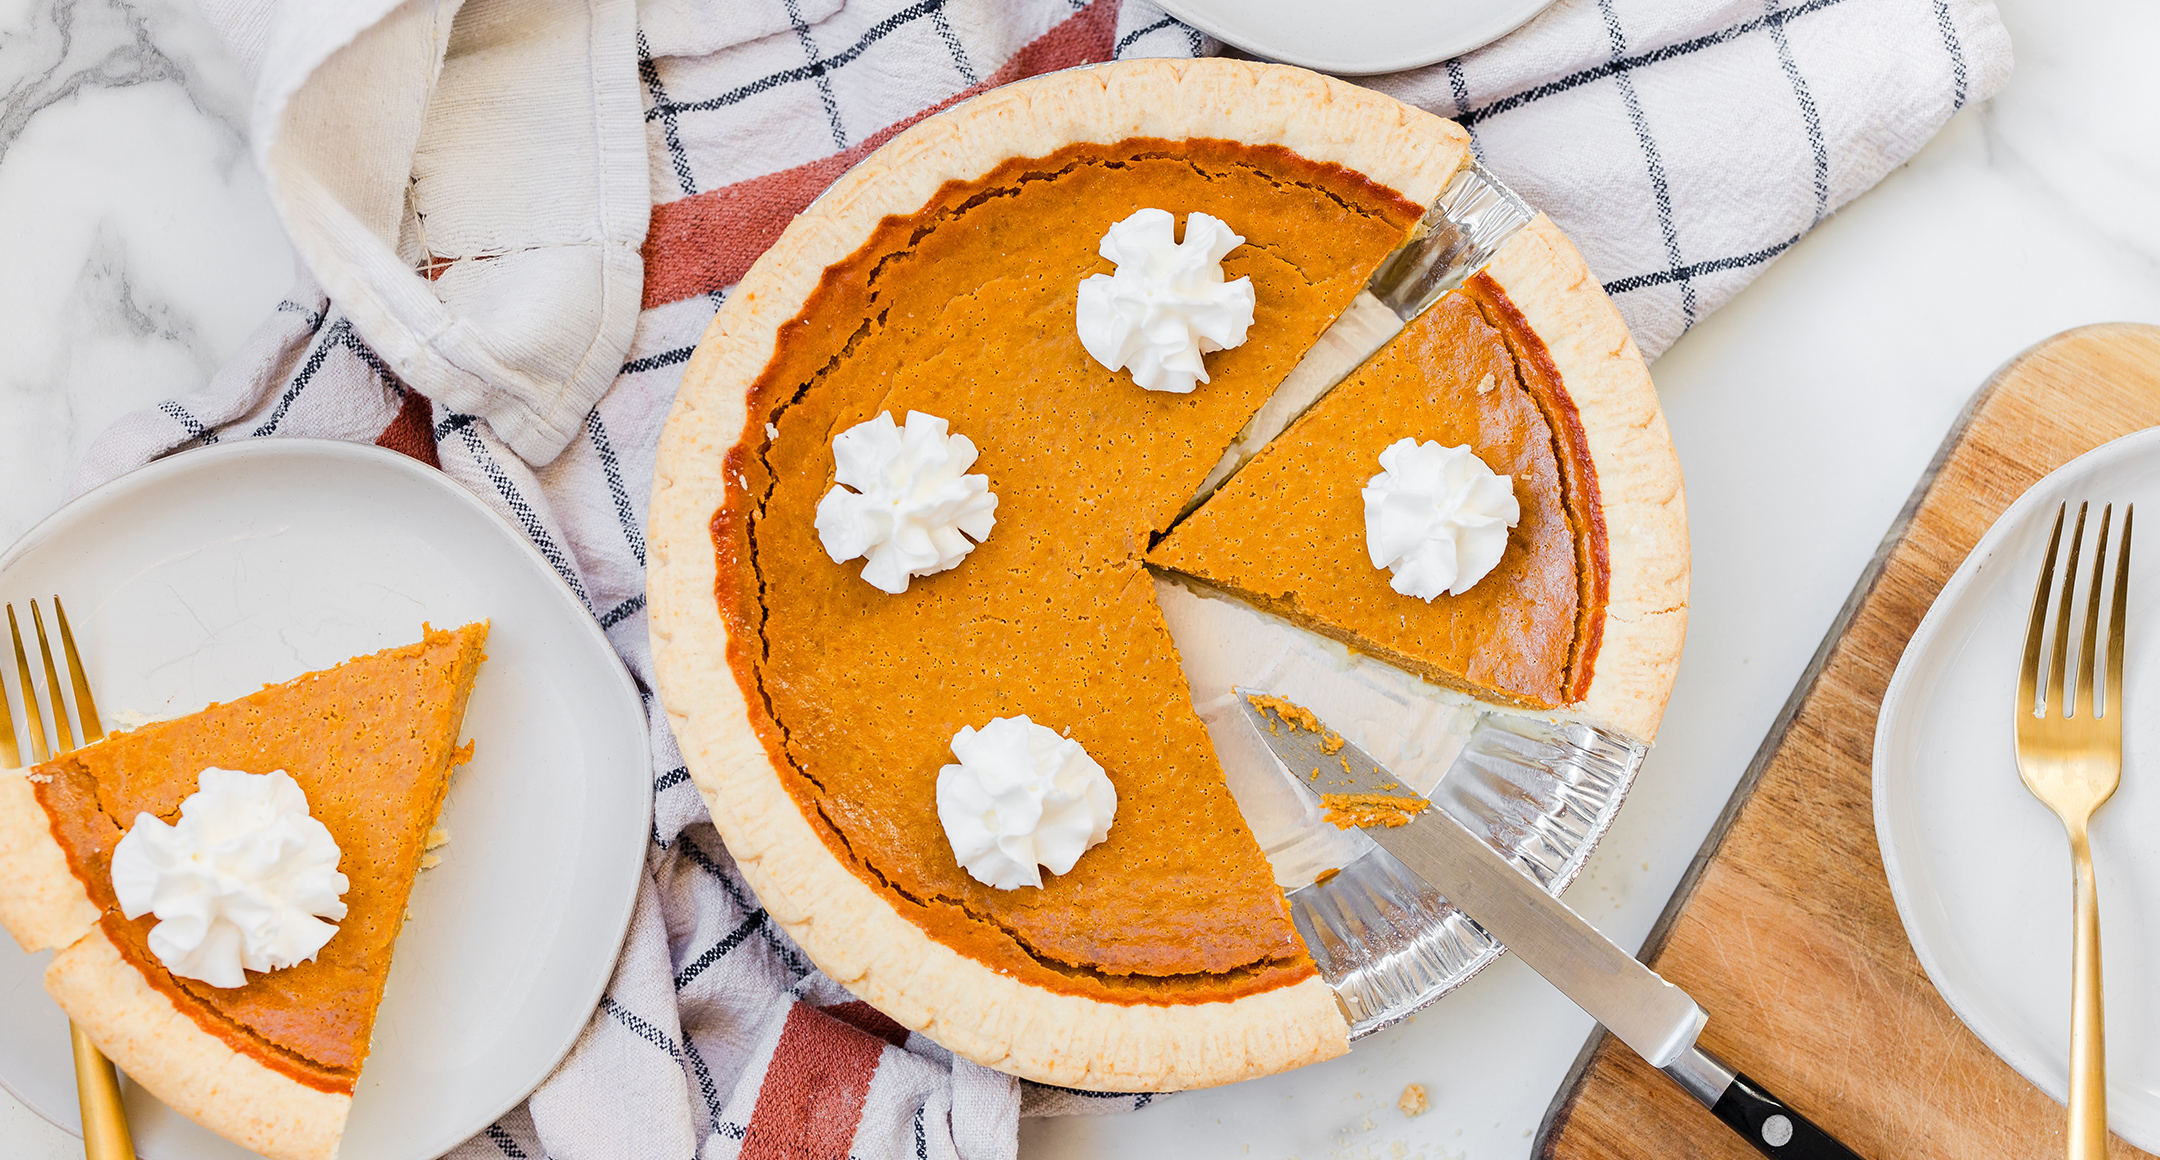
[
  {"x": 42, "y": 745},
  {"x": 2048, "y": 690}
]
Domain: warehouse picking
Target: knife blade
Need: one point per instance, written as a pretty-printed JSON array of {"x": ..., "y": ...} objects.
[{"x": 1656, "y": 1019}]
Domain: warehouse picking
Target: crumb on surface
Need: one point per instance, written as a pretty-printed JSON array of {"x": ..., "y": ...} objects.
[
  {"x": 1345, "y": 810},
  {"x": 1412, "y": 1102},
  {"x": 429, "y": 861},
  {"x": 437, "y": 837},
  {"x": 1327, "y": 875}
]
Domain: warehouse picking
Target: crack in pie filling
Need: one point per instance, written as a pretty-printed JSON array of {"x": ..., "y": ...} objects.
[{"x": 815, "y": 710}]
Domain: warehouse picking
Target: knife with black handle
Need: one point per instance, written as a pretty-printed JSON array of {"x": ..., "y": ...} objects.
[{"x": 1654, "y": 1018}]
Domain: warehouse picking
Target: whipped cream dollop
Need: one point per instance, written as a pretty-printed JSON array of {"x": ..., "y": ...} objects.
[
  {"x": 1167, "y": 304},
  {"x": 1021, "y": 798},
  {"x": 912, "y": 500},
  {"x": 1437, "y": 518},
  {"x": 237, "y": 882}
]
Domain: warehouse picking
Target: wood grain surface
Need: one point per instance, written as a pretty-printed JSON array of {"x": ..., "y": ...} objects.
[{"x": 1784, "y": 929}]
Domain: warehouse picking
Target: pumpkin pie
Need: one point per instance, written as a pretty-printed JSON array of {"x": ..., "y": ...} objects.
[
  {"x": 815, "y": 711},
  {"x": 270, "y": 1064}
]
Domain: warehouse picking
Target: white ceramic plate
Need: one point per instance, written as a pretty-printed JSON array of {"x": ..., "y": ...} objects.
[
  {"x": 1356, "y": 37},
  {"x": 204, "y": 576},
  {"x": 1980, "y": 869}
]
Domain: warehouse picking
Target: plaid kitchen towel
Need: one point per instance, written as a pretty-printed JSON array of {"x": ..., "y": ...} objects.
[
  {"x": 1683, "y": 145},
  {"x": 467, "y": 181}
]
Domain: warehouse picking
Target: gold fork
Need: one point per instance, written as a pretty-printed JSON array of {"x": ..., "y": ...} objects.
[
  {"x": 97, "y": 1087},
  {"x": 2069, "y": 753}
]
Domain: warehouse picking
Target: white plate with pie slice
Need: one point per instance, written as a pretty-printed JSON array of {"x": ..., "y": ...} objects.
[
  {"x": 1356, "y": 37},
  {"x": 210, "y": 573},
  {"x": 1979, "y": 868}
]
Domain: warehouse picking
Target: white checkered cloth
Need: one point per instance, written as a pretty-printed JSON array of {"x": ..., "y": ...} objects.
[{"x": 1684, "y": 145}]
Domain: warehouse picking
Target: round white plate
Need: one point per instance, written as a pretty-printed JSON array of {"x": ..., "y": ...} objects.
[
  {"x": 1356, "y": 37},
  {"x": 206, "y": 575},
  {"x": 1980, "y": 869}
]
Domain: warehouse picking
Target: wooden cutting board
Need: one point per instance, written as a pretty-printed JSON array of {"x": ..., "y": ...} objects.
[{"x": 1784, "y": 929}]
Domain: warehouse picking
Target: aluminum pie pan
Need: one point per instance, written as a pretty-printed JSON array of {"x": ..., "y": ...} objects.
[
  {"x": 1542, "y": 789},
  {"x": 1543, "y": 793}
]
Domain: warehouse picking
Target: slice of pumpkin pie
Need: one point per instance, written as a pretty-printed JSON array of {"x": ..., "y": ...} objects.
[
  {"x": 189, "y": 873},
  {"x": 1527, "y": 367}
]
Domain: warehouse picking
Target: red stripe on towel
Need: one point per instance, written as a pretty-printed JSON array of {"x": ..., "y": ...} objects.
[
  {"x": 812, "y": 1099},
  {"x": 707, "y": 241},
  {"x": 413, "y": 431}
]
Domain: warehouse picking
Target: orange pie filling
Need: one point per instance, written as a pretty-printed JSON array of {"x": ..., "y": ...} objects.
[{"x": 965, "y": 310}]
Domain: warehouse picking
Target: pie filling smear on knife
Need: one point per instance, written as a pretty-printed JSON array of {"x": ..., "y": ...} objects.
[
  {"x": 271, "y": 1063},
  {"x": 816, "y": 710}
]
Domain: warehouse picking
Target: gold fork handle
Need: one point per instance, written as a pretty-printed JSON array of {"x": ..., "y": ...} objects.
[
  {"x": 105, "y": 1126},
  {"x": 2088, "y": 1049}
]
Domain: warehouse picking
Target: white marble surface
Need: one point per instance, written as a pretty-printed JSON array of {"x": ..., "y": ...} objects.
[{"x": 139, "y": 250}]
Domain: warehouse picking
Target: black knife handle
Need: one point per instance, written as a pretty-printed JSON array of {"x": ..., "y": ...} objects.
[{"x": 1774, "y": 1128}]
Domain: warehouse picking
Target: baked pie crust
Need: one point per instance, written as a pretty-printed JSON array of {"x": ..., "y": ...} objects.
[{"x": 810, "y": 710}]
